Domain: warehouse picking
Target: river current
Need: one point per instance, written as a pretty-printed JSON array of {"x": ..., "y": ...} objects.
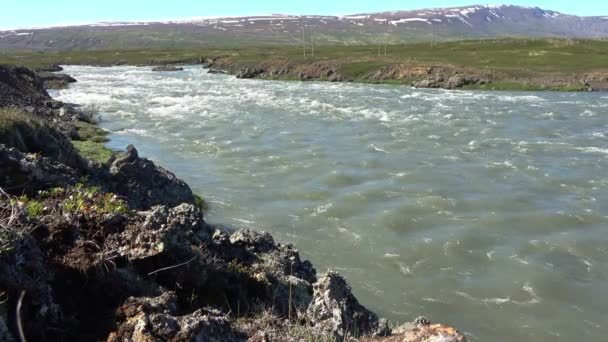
[{"x": 483, "y": 210}]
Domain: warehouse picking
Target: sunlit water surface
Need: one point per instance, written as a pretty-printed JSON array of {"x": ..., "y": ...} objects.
[{"x": 484, "y": 210}]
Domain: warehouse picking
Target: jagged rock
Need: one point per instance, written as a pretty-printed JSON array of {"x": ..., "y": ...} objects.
[
  {"x": 335, "y": 311},
  {"x": 217, "y": 71},
  {"x": 50, "y": 68},
  {"x": 437, "y": 80},
  {"x": 421, "y": 330},
  {"x": 167, "y": 68},
  {"x": 248, "y": 72},
  {"x": 304, "y": 77},
  {"x": 253, "y": 240},
  {"x": 154, "y": 319},
  {"x": 144, "y": 184},
  {"x": 274, "y": 272},
  {"x": 165, "y": 229},
  {"x": 29, "y": 173},
  {"x": 21, "y": 87},
  {"x": 52, "y": 80},
  {"x": 456, "y": 81}
]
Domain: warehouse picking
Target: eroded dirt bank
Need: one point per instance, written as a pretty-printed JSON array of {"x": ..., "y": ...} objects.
[{"x": 419, "y": 75}]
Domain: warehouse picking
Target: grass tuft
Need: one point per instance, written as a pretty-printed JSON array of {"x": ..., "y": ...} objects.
[
  {"x": 201, "y": 203},
  {"x": 90, "y": 114}
]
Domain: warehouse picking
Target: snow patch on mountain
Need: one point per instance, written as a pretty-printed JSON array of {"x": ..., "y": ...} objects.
[{"x": 409, "y": 20}]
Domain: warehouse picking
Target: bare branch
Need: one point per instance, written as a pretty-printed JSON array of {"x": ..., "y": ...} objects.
[
  {"x": 175, "y": 266},
  {"x": 19, "y": 322}
]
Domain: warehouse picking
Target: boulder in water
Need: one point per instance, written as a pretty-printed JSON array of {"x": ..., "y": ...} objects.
[{"x": 167, "y": 68}]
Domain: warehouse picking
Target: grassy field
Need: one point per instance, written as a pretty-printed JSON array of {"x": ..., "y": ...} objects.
[{"x": 515, "y": 58}]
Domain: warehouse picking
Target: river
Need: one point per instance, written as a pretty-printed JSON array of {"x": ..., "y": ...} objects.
[{"x": 483, "y": 210}]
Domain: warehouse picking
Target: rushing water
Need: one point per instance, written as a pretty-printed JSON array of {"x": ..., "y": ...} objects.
[{"x": 484, "y": 210}]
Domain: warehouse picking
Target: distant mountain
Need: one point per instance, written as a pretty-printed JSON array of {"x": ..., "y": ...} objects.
[{"x": 441, "y": 24}]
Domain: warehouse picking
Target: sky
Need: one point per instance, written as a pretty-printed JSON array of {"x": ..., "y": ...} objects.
[{"x": 36, "y": 13}]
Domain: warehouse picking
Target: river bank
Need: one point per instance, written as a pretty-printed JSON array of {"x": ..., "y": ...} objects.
[
  {"x": 128, "y": 238},
  {"x": 445, "y": 203},
  {"x": 497, "y": 64}
]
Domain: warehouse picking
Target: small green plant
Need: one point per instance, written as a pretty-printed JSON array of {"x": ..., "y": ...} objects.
[
  {"x": 32, "y": 207},
  {"x": 201, "y": 203},
  {"x": 237, "y": 267},
  {"x": 53, "y": 192},
  {"x": 86, "y": 200}
]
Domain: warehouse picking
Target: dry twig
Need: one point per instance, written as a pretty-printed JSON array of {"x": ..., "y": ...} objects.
[
  {"x": 19, "y": 322},
  {"x": 175, "y": 266}
]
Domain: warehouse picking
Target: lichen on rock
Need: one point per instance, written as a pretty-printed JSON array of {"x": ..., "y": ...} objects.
[
  {"x": 336, "y": 312},
  {"x": 145, "y": 184}
]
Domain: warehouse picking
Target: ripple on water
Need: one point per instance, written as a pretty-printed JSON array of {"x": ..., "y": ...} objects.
[{"x": 483, "y": 209}]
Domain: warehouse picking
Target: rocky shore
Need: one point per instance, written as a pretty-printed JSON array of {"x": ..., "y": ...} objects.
[
  {"x": 120, "y": 251},
  {"x": 418, "y": 75}
]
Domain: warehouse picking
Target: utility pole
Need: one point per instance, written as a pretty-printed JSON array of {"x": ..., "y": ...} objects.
[
  {"x": 312, "y": 44},
  {"x": 385, "y": 37},
  {"x": 304, "y": 41}
]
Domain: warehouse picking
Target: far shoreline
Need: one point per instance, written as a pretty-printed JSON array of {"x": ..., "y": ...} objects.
[{"x": 498, "y": 64}]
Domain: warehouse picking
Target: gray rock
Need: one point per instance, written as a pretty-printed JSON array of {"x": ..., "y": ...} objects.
[
  {"x": 164, "y": 230},
  {"x": 144, "y": 184},
  {"x": 153, "y": 319},
  {"x": 421, "y": 330},
  {"x": 28, "y": 173},
  {"x": 21, "y": 87},
  {"x": 217, "y": 71},
  {"x": 167, "y": 68},
  {"x": 429, "y": 83},
  {"x": 52, "y": 80},
  {"x": 253, "y": 240},
  {"x": 336, "y": 313},
  {"x": 437, "y": 80},
  {"x": 274, "y": 272},
  {"x": 50, "y": 68},
  {"x": 248, "y": 72},
  {"x": 457, "y": 81}
]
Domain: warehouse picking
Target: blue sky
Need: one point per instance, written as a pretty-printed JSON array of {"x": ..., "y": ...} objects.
[{"x": 28, "y": 13}]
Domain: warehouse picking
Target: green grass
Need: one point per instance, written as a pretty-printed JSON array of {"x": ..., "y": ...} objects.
[
  {"x": 93, "y": 150},
  {"x": 357, "y": 70},
  {"x": 27, "y": 131},
  {"x": 11, "y": 119},
  {"x": 91, "y": 144},
  {"x": 88, "y": 131},
  {"x": 512, "y": 56},
  {"x": 512, "y": 60}
]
